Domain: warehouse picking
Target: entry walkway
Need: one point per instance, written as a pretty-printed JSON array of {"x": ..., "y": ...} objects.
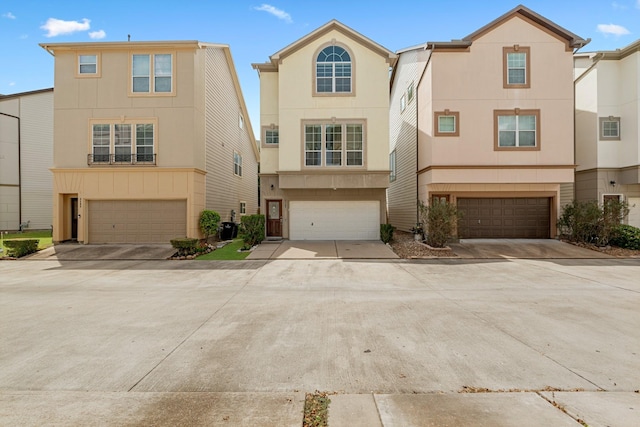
[{"x": 323, "y": 249}]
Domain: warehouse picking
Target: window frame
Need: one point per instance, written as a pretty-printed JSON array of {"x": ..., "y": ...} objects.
[
  {"x": 112, "y": 159},
  {"x": 243, "y": 208},
  {"x": 446, "y": 113},
  {"x": 263, "y": 136},
  {"x": 516, "y": 112},
  {"x": 152, "y": 74},
  {"x": 608, "y": 119},
  {"x": 344, "y": 150},
  {"x": 88, "y": 75},
  {"x": 237, "y": 164},
  {"x": 393, "y": 166},
  {"x": 314, "y": 72},
  {"x": 505, "y": 67},
  {"x": 410, "y": 93},
  {"x": 403, "y": 103}
]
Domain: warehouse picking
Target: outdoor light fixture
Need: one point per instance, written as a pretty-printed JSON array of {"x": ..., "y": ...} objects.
[{"x": 612, "y": 183}]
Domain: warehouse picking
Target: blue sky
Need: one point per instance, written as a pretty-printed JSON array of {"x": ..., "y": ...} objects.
[{"x": 255, "y": 30}]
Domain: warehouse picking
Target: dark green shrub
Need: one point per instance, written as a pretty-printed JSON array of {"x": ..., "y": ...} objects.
[
  {"x": 440, "y": 219},
  {"x": 626, "y": 236},
  {"x": 386, "y": 232},
  {"x": 209, "y": 221},
  {"x": 252, "y": 229},
  {"x": 20, "y": 247},
  {"x": 589, "y": 222},
  {"x": 185, "y": 245}
]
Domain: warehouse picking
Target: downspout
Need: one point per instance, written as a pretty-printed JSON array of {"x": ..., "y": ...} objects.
[{"x": 19, "y": 170}]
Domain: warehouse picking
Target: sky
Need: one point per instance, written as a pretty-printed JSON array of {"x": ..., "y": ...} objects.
[{"x": 254, "y": 30}]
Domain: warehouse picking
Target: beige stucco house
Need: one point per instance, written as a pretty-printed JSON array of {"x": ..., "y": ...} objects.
[
  {"x": 324, "y": 105},
  {"x": 486, "y": 122},
  {"x": 26, "y": 154},
  {"x": 146, "y": 136},
  {"x": 607, "y": 136}
]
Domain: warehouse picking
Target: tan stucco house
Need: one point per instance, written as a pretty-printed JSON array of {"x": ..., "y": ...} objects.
[
  {"x": 607, "y": 135},
  {"x": 324, "y": 110},
  {"x": 486, "y": 122},
  {"x": 26, "y": 154},
  {"x": 146, "y": 136}
]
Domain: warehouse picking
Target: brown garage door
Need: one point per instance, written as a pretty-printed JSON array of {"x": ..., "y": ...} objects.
[
  {"x": 137, "y": 221},
  {"x": 513, "y": 218}
]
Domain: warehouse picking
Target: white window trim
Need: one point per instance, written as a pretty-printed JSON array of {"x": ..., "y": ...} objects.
[
  {"x": 410, "y": 93},
  {"x": 133, "y": 143},
  {"x": 152, "y": 74},
  {"x": 516, "y": 112},
  {"x": 243, "y": 208},
  {"x": 609, "y": 119},
  {"x": 352, "y": 92},
  {"x": 344, "y": 150},
  {"x": 505, "y": 67},
  {"x": 403, "y": 103},
  {"x": 237, "y": 164},
  {"x": 392, "y": 166},
  {"x": 88, "y": 75}
]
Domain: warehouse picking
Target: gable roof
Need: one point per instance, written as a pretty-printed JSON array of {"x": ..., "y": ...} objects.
[
  {"x": 571, "y": 40},
  {"x": 276, "y": 58}
]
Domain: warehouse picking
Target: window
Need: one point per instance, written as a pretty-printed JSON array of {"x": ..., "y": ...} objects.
[
  {"x": 517, "y": 129},
  {"x": 610, "y": 128},
  {"x": 410, "y": 92},
  {"x": 122, "y": 143},
  {"x": 392, "y": 166},
  {"x": 439, "y": 198},
  {"x": 243, "y": 208},
  {"x": 403, "y": 103},
  {"x": 447, "y": 123},
  {"x": 237, "y": 164},
  {"x": 335, "y": 144},
  {"x": 271, "y": 136},
  {"x": 152, "y": 73},
  {"x": 240, "y": 121},
  {"x": 88, "y": 65},
  {"x": 333, "y": 70},
  {"x": 516, "y": 67}
]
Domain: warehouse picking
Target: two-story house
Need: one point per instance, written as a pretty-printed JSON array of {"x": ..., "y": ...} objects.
[
  {"x": 26, "y": 152},
  {"x": 607, "y": 89},
  {"x": 324, "y": 112},
  {"x": 486, "y": 123},
  {"x": 146, "y": 136}
]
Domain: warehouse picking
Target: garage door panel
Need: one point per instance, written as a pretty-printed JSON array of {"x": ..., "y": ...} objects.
[
  {"x": 334, "y": 220},
  {"x": 136, "y": 221},
  {"x": 507, "y": 218}
]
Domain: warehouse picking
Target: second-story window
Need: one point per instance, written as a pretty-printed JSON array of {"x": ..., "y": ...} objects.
[
  {"x": 237, "y": 164},
  {"x": 152, "y": 73},
  {"x": 88, "y": 64},
  {"x": 333, "y": 70},
  {"x": 516, "y": 67},
  {"x": 122, "y": 143},
  {"x": 334, "y": 144}
]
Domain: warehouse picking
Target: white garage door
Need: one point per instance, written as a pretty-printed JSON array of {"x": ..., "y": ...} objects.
[
  {"x": 137, "y": 221},
  {"x": 634, "y": 211},
  {"x": 355, "y": 220}
]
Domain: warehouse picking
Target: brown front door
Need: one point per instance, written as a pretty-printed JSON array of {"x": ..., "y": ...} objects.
[
  {"x": 74, "y": 218},
  {"x": 274, "y": 218}
]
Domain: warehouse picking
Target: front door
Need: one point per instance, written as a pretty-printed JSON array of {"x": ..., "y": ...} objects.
[
  {"x": 274, "y": 218},
  {"x": 74, "y": 218}
]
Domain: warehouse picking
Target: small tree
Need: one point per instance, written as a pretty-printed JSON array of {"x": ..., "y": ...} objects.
[
  {"x": 440, "y": 219},
  {"x": 589, "y": 222},
  {"x": 386, "y": 232},
  {"x": 209, "y": 221},
  {"x": 252, "y": 229}
]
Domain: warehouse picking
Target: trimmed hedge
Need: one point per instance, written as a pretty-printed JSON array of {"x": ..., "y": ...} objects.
[
  {"x": 20, "y": 247},
  {"x": 626, "y": 236},
  {"x": 252, "y": 229},
  {"x": 209, "y": 221},
  {"x": 386, "y": 232},
  {"x": 185, "y": 245}
]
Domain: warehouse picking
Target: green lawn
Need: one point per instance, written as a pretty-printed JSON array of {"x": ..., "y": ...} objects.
[
  {"x": 44, "y": 237},
  {"x": 228, "y": 252}
]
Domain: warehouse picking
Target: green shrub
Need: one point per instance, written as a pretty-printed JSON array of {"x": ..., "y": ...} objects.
[
  {"x": 20, "y": 247},
  {"x": 440, "y": 218},
  {"x": 386, "y": 232},
  {"x": 252, "y": 229},
  {"x": 626, "y": 236},
  {"x": 185, "y": 245},
  {"x": 589, "y": 222},
  {"x": 209, "y": 221}
]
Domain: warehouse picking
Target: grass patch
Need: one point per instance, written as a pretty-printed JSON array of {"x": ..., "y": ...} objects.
[
  {"x": 228, "y": 252},
  {"x": 43, "y": 236},
  {"x": 316, "y": 409}
]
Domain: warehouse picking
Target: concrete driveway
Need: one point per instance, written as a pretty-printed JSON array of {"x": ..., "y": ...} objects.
[
  {"x": 459, "y": 342},
  {"x": 79, "y": 252},
  {"x": 522, "y": 248},
  {"x": 323, "y": 249}
]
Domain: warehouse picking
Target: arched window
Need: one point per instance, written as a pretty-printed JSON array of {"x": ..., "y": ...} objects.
[{"x": 333, "y": 70}]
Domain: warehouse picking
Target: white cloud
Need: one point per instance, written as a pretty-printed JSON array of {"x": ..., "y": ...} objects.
[
  {"x": 612, "y": 30},
  {"x": 12, "y": 84},
  {"x": 97, "y": 34},
  {"x": 56, "y": 27},
  {"x": 278, "y": 13},
  {"x": 9, "y": 15},
  {"x": 618, "y": 6},
  {"x": 638, "y": 4}
]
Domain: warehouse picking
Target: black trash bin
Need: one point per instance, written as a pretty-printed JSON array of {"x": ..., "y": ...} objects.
[{"x": 229, "y": 231}]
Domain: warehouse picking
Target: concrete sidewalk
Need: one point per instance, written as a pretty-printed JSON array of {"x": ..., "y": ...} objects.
[{"x": 323, "y": 249}]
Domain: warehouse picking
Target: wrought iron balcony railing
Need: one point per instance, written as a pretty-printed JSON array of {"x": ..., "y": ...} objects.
[{"x": 121, "y": 159}]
